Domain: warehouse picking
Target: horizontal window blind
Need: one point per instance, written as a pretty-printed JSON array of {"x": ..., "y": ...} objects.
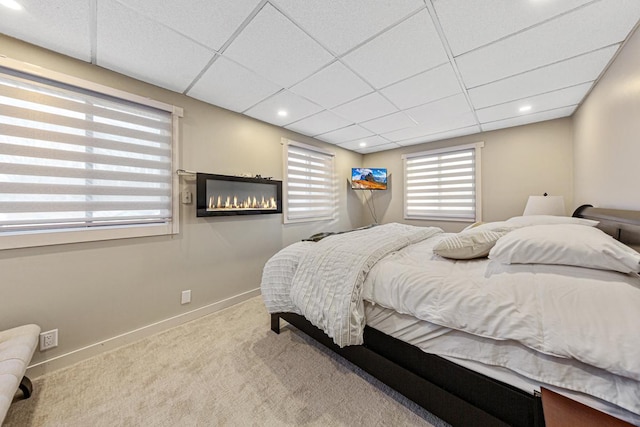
[
  {"x": 72, "y": 158},
  {"x": 441, "y": 185},
  {"x": 309, "y": 184}
]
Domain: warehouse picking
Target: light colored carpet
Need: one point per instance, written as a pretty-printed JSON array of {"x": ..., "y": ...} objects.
[{"x": 227, "y": 368}]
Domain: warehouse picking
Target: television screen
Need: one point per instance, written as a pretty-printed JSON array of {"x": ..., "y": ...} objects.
[{"x": 369, "y": 178}]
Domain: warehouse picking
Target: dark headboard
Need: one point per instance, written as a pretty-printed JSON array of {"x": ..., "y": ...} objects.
[{"x": 624, "y": 225}]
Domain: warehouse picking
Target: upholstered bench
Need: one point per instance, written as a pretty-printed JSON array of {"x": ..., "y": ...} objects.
[{"x": 17, "y": 346}]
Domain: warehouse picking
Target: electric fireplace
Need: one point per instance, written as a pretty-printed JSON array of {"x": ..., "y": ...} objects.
[{"x": 220, "y": 195}]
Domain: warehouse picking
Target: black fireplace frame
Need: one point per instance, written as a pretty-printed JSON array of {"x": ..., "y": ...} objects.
[{"x": 201, "y": 195}]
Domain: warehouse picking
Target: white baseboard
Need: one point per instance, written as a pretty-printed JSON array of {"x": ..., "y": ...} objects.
[{"x": 80, "y": 354}]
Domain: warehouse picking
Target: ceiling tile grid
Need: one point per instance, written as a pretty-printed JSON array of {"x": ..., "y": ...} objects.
[
  {"x": 152, "y": 57},
  {"x": 487, "y": 21},
  {"x": 231, "y": 86},
  {"x": 212, "y": 25},
  {"x": 276, "y": 48},
  {"x": 394, "y": 72},
  {"x": 596, "y": 25},
  {"x": 365, "y": 143},
  {"x": 323, "y": 122},
  {"x": 409, "y": 48},
  {"x": 342, "y": 25},
  {"x": 366, "y": 108},
  {"x": 530, "y": 118},
  {"x": 534, "y": 104},
  {"x": 332, "y": 86},
  {"x": 349, "y": 133},
  {"x": 423, "y": 88},
  {"x": 294, "y": 106},
  {"x": 469, "y": 130},
  {"x": 581, "y": 69}
]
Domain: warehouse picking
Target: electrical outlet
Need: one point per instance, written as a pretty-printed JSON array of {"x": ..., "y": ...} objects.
[
  {"x": 186, "y": 297},
  {"x": 48, "y": 340},
  {"x": 187, "y": 197}
]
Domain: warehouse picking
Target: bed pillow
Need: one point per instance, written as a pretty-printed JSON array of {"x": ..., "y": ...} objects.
[
  {"x": 475, "y": 224},
  {"x": 527, "y": 220},
  {"x": 565, "y": 244},
  {"x": 469, "y": 244}
]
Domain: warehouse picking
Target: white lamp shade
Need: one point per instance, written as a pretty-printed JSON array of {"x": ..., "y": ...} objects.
[{"x": 545, "y": 205}]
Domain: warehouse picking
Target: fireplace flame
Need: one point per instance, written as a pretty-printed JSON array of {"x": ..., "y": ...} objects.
[{"x": 251, "y": 202}]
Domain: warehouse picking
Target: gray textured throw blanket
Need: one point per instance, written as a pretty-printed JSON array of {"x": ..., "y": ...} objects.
[{"x": 327, "y": 285}]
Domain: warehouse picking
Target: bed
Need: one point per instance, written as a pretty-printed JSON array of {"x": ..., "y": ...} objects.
[{"x": 481, "y": 358}]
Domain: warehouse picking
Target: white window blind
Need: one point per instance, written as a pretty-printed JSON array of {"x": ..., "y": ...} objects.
[
  {"x": 309, "y": 187},
  {"x": 443, "y": 184},
  {"x": 71, "y": 158}
]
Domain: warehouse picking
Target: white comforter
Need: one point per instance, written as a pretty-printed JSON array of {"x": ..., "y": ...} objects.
[{"x": 584, "y": 314}]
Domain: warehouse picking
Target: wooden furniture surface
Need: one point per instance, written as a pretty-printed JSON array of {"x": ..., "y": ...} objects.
[{"x": 560, "y": 411}]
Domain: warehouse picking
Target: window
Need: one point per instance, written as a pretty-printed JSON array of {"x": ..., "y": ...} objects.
[
  {"x": 443, "y": 185},
  {"x": 309, "y": 186},
  {"x": 82, "y": 162}
]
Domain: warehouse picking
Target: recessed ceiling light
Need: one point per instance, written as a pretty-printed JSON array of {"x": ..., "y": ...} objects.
[
  {"x": 282, "y": 113},
  {"x": 525, "y": 108},
  {"x": 363, "y": 144},
  {"x": 11, "y": 4}
]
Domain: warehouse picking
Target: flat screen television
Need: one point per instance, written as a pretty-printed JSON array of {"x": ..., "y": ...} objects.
[{"x": 369, "y": 178}]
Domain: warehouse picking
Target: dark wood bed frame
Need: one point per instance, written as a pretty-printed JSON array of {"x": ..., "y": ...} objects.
[{"x": 456, "y": 394}]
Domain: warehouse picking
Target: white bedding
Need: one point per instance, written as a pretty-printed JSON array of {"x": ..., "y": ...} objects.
[
  {"x": 541, "y": 312},
  {"x": 327, "y": 284},
  {"x": 584, "y": 314}
]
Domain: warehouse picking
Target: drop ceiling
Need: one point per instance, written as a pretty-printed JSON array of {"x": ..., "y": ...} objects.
[{"x": 366, "y": 75}]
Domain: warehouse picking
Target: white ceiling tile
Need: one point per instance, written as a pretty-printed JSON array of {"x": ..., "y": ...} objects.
[
  {"x": 584, "y": 68},
  {"x": 365, "y": 108},
  {"x": 59, "y": 25},
  {"x": 491, "y": 20},
  {"x": 277, "y": 49},
  {"x": 388, "y": 123},
  {"x": 423, "y": 88},
  {"x": 212, "y": 25},
  {"x": 370, "y": 141},
  {"x": 152, "y": 58},
  {"x": 295, "y": 106},
  {"x": 530, "y": 118},
  {"x": 444, "y": 124},
  {"x": 322, "y": 122},
  {"x": 349, "y": 133},
  {"x": 439, "y": 110},
  {"x": 231, "y": 86},
  {"x": 407, "y": 49},
  {"x": 548, "y": 101},
  {"x": 596, "y": 25},
  {"x": 377, "y": 148},
  {"x": 469, "y": 130},
  {"x": 331, "y": 86},
  {"x": 342, "y": 25}
]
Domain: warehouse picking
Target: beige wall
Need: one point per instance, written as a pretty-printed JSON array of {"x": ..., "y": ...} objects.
[
  {"x": 96, "y": 291},
  {"x": 516, "y": 163},
  {"x": 607, "y": 136}
]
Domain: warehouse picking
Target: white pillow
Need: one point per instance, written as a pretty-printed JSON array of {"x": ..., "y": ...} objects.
[
  {"x": 469, "y": 244},
  {"x": 525, "y": 221},
  {"x": 566, "y": 244}
]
